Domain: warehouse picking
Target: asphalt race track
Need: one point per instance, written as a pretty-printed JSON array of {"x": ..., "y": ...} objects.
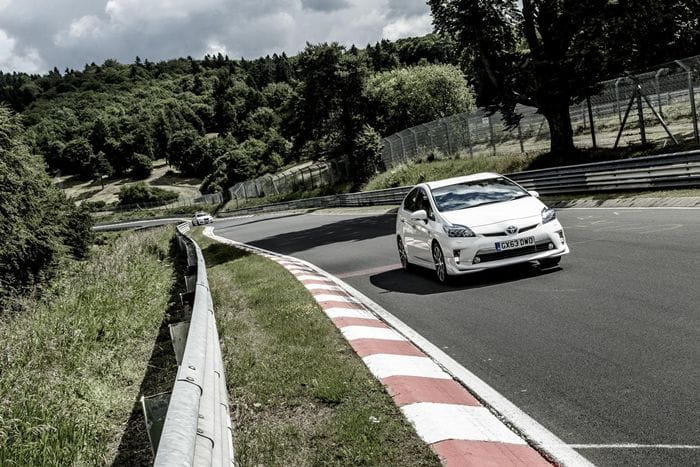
[{"x": 604, "y": 351}]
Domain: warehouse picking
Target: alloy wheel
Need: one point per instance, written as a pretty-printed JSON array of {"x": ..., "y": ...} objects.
[
  {"x": 439, "y": 260},
  {"x": 402, "y": 254}
]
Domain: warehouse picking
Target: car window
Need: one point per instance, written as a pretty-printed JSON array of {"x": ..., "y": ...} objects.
[
  {"x": 423, "y": 202},
  {"x": 409, "y": 203},
  {"x": 476, "y": 193}
]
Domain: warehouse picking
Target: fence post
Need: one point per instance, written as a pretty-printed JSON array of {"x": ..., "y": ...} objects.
[
  {"x": 617, "y": 99},
  {"x": 447, "y": 135},
  {"x": 469, "y": 137},
  {"x": 658, "y": 89},
  {"x": 403, "y": 148},
  {"x": 520, "y": 139},
  {"x": 391, "y": 152},
  {"x": 640, "y": 114},
  {"x": 592, "y": 122},
  {"x": 415, "y": 139},
  {"x": 691, "y": 93},
  {"x": 491, "y": 135}
]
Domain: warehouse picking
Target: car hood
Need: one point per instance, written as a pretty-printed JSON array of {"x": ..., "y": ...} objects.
[{"x": 496, "y": 213}]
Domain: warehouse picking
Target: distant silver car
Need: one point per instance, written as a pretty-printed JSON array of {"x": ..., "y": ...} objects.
[{"x": 201, "y": 218}]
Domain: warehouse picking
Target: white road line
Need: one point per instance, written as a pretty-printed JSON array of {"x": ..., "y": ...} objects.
[
  {"x": 333, "y": 313},
  {"x": 528, "y": 427},
  {"x": 334, "y": 298},
  {"x": 634, "y": 446},
  {"x": 385, "y": 365},
  {"x": 322, "y": 287},
  {"x": 352, "y": 333},
  {"x": 309, "y": 277},
  {"x": 438, "y": 422}
]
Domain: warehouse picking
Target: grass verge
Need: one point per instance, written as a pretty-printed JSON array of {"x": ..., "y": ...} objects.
[
  {"x": 300, "y": 395},
  {"x": 73, "y": 363}
]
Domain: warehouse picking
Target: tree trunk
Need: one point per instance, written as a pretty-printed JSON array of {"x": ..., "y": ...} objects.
[{"x": 560, "y": 130}]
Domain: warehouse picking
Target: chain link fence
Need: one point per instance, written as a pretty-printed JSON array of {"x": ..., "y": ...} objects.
[
  {"x": 660, "y": 107},
  {"x": 299, "y": 178}
]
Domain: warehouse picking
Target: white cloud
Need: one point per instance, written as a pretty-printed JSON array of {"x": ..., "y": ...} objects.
[
  {"x": 70, "y": 33},
  {"x": 406, "y": 27},
  {"x": 12, "y": 59},
  {"x": 154, "y": 11},
  {"x": 4, "y": 4},
  {"x": 85, "y": 27}
]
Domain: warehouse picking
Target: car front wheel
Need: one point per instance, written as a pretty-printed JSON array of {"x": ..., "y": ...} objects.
[
  {"x": 402, "y": 254},
  {"x": 440, "y": 266}
]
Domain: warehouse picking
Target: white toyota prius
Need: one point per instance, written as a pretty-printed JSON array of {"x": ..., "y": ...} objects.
[{"x": 468, "y": 224}]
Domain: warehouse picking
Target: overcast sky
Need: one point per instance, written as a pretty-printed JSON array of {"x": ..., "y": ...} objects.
[{"x": 36, "y": 35}]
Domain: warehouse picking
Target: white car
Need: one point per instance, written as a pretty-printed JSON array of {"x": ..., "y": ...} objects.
[
  {"x": 468, "y": 224},
  {"x": 201, "y": 218}
]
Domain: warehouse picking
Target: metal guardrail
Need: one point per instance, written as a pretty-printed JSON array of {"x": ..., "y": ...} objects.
[
  {"x": 197, "y": 427},
  {"x": 676, "y": 170}
]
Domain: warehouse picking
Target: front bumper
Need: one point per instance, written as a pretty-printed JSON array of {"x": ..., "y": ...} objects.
[{"x": 467, "y": 255}]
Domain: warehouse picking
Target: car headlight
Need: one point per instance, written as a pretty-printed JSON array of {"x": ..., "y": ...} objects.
[
  {"x": 548, "y": 215},
  {"x": 458, "y": 231}
]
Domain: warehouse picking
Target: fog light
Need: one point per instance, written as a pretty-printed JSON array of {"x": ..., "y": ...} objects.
[
  {"x": 456, "y": 255},
  {"x": 551, "y": 246},
  {"x": 477, "y": 260}
]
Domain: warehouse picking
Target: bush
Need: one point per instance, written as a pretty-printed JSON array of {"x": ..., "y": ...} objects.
[
  {"x": 40, "y": 225},
  {"x": 141, "y": 166},
  {"x": 366, "y": 155},
  {"x": 141, "y": 193}
]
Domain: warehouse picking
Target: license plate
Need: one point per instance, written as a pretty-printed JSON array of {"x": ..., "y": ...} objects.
[{"x": 513, "y": 244}]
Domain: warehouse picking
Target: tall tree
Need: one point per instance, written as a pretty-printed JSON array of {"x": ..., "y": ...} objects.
[{"x": 548, "y": 54}]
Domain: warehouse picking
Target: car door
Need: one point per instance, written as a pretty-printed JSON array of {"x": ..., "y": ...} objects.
[
  {"x": 421, "y": 234},
  {"x": 404, "y": 227}
]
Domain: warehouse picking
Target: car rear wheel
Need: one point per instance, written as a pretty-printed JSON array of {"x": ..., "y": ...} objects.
[
  {"x": 440, "y": 266},
  {"x": 550, "y": 262},
  {"x": 405, "y": 265}
]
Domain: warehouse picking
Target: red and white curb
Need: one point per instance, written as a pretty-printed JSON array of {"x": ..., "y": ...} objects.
[{"x": 456, "y": 425}]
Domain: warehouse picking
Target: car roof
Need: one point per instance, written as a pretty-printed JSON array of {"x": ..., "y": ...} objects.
[
  {"x": 201, "y": 214},
  {"x": 466, "y": 178}
]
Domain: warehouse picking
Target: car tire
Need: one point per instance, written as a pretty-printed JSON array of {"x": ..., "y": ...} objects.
[
  {"x": 441, "y": 273},
  {"x": 403, "y": 256},
  {"x": 548, "y": 263}
]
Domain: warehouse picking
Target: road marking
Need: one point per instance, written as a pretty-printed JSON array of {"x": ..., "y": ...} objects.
[
  {"x": 347, "y": 313},
  {"x": 386, "y": 365},
  {"x": 437, "y": 422},
  {"x": 371, "y": 271},
  {"x": 352, "y": 333},
  {"x": 333, "y": 298},
  {"x": 334, "y": 288},
  {"x": 634, "y": 446},
  {"x": 449, "y": 450}
]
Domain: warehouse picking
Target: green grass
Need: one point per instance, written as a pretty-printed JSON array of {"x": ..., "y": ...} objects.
[
  {"x": 308, "y": 193},
  {"x": 300, "y": 395},
  {"x": 72, "y": 363},
  {"x": 412, "y": 174},
  {"x": 186, "y": 211},
  {"x": 442, "y": 167}
]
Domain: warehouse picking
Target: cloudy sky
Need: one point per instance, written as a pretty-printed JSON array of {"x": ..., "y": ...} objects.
[{"x": 36, "y": 35}]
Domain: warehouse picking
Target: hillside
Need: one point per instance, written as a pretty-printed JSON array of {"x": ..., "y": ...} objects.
[{"x": 114, "y": 120}]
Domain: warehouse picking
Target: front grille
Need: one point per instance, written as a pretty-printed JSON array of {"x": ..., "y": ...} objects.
[
  {"x": 504, "y": 234},
  {"x": 528, "y": 250}
]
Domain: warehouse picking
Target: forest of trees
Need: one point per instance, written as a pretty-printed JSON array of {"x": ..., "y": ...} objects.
[{"x": 228, "y": 120}]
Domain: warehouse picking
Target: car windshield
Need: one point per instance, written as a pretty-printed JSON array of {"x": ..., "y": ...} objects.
[
  {"x": 477, "y": 193},
  {"x": 201, "y": 214}
]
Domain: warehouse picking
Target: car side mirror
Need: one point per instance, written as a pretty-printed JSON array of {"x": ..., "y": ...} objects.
[
  {"x": 420, "y": 215},
  {"x": 534, "y": 194}
]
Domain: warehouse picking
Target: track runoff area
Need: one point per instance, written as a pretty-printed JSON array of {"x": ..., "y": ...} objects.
[{"x": 599, "y": 355}]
